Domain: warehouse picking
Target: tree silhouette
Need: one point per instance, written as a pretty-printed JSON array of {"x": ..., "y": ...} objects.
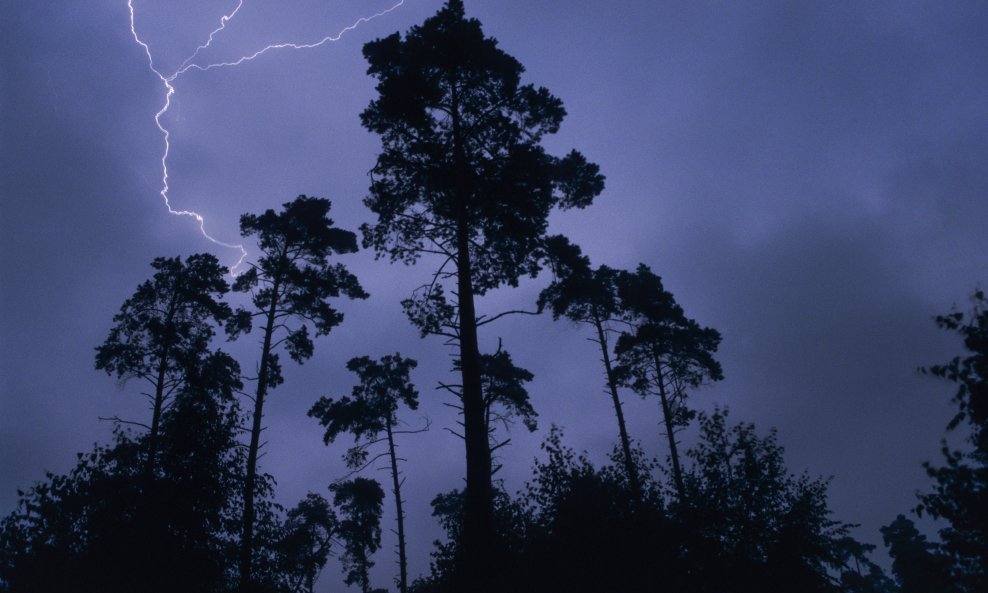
[
  {"x": 372, "y": 409},
  {"x": 505, "y": 396},
  {"x": 666, "y": 354},
  {"x": 861, "y": 574},
  {"x": 589, "y": 296},
  {"x": 305, "y": 542},
  {"x": 751, "y": 525},
  {"x": 103, "y": 528},
  {"x": 197, "y": 495},
  {"x": 359, "y": 501},
  {"x": 290, "y": 287},
  {"x": 918, "y": 566},
  {"x": 960, "y": 493},
  {"x": 163, "y": 328},
  {"x": 462, "y": 176}
]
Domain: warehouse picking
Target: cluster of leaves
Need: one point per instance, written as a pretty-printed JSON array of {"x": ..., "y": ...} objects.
[
  {"x": 751, "y": 525},
  {"x": 105, "y": 527},
  {"x": 960, "y": 494}
]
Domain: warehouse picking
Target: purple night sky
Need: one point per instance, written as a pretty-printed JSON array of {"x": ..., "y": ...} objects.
[{"x": 807, "y": 177}]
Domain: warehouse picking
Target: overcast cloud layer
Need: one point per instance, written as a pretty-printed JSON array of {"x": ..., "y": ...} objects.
[{"x": 808, "y": 178}]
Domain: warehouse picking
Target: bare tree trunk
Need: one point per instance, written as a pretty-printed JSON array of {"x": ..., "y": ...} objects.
[
  {"x": 677, "y": 472},
  {"x": 478, "y": 519},
  {"x": 159, "y": 392},
  {"x": 629, "y": 462},
  {"x": 159, "y": 403},
  {"x": 247, "y": 535},
  {"x": 402, "y": 558}
]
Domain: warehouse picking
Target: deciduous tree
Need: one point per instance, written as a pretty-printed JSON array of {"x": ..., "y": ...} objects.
[
  {"x": 105, "y": 528},
  {"x": 752, "y": 525},
  {"x": 960, "y": 493}
]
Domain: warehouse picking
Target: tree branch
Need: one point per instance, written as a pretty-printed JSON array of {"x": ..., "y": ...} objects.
[{"x": 482, "y": 321}]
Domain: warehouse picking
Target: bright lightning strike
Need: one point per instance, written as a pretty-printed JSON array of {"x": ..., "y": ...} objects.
[{"x": 189, "y": 64}]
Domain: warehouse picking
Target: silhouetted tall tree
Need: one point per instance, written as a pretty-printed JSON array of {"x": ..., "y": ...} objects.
[
  {"x": 290, "y": 287},
  {"x": 372, "y": 409},
  {"x": 961, "y": 486},
  {"x": 462, "y": 175},
  {"x": 586, "y": 295},
  {"x": 665, "y": 354},
  {"x": 359, "y": 501},
  {"x": 163, "y": 329}
]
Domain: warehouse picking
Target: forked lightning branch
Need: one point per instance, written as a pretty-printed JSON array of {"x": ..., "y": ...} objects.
[{"x": 190, "y": 63}]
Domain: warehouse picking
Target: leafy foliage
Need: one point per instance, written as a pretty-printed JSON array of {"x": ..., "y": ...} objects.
[
  {"x": 164, "y": 329},
  {"x": 919, "y": 566},
  {"x": 304, "y": 545},
  {"x": 293, "y": 279},
  {"x": 573, "y": 528},
  {"x": 960, "y": 493},
  {"x": 461, "y": 147},
  {"x": 373, "y": 403},
  {"x": 168, "y": 320},
  {"x": 359, "y": 501},
  {"x": 104, "y": 527},
  {"x": 752, "y": 524}
]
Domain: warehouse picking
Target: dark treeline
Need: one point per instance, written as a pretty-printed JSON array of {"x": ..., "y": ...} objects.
[{"x": 179, "y": 501}]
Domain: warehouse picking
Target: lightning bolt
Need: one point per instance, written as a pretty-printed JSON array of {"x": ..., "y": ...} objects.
[{"x": 167, "y": 80}]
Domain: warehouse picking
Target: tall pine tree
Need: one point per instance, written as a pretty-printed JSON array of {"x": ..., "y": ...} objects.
[
  {"x": 462, "y": 176},
  {"x": 291, "y": 286}
]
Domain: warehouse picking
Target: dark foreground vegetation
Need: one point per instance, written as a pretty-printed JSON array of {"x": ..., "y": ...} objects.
[{"x": 179, "y": 502}]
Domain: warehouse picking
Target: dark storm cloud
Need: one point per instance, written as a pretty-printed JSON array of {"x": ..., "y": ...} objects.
[
  {"x": 66, "y": 230},
  {"x": 808, "y": 178}
]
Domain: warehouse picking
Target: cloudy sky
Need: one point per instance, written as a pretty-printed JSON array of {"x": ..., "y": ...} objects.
[{"x": 808, "y": 178}]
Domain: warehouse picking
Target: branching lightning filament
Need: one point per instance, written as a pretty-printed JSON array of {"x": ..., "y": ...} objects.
[{"x": 167, "y": 80}]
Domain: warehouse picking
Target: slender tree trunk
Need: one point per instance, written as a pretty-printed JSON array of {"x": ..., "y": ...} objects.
[
  {"x": 247, "y": 535},
  {"x": 159, "y": 404},
  {"x": 629, "y": 462},
  {"x": 478, "y": 519},
  {"x": 364, "y": 571},
  {"x": 402, "y": 558},
  {"x": 677, "y": 472},
  {"x": 159, "y": 392}
]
